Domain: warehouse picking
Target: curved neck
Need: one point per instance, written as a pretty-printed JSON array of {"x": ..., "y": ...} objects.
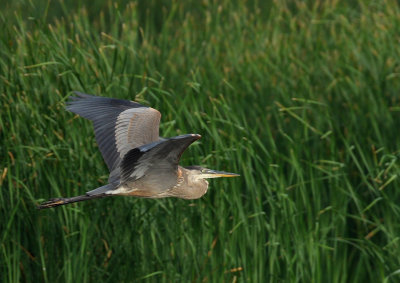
[{"x": 189, "y": 186}]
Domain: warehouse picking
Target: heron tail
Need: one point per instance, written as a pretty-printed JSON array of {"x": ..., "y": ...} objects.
[{"x": 61, "y": 201}]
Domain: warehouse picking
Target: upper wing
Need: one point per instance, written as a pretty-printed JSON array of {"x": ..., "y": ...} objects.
[
  {"x": 119, "y": 125},
  {"x": 161, "y": 157}
]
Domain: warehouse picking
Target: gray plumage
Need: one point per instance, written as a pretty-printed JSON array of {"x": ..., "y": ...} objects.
[{"x": 140, "y": 162}]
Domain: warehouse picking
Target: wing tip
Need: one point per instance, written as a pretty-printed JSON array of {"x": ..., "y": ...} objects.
[
  {"x": 75, "y": 99},
  {"x": 194, "y": 136},
  {"x": 188, "y": 137}
]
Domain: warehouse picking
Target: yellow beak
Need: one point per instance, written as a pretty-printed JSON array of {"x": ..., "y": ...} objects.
[{"x": 217, "y": 174}]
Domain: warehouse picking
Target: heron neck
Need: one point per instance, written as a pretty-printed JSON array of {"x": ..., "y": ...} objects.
[{"x": 188, "y": 186}]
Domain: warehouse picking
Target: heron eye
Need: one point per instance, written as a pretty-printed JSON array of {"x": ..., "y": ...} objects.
[{"x": 203, "y": 170}]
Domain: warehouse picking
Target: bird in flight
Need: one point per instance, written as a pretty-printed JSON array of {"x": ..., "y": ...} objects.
[{"x": 141, "y": 163}]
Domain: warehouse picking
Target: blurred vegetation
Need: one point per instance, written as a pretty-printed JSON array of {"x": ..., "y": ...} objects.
[{"x": 300, "y": 98}]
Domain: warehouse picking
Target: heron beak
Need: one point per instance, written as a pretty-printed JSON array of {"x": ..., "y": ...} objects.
[{"x": 218, "y": 174}]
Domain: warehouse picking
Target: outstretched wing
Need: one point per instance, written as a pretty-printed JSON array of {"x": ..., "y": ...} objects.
[
  {"x": 156, "y": 162},
  {"x": 159, "y": 158},
  {"x": 119, "y": 125}
]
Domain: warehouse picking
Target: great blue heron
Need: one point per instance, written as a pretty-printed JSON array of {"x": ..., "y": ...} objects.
[{"x": 141, "y": 163}]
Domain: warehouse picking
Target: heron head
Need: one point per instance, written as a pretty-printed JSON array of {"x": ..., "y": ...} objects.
[{"x": 205, "y": 173}]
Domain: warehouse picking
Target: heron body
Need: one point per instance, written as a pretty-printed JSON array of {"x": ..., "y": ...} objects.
[
  {"x": 183, "y": 186},
  {"x": 141, "y": 163}
]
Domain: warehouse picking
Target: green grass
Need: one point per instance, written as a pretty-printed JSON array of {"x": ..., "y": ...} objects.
[{"x": 303, "y": 100}]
